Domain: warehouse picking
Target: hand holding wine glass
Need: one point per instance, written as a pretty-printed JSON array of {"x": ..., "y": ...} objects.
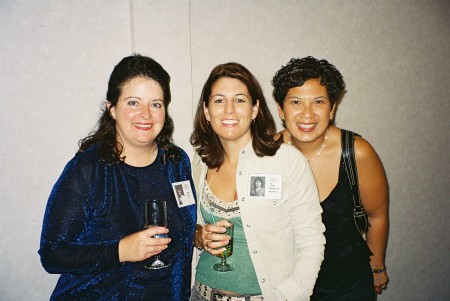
[
  {"x": 214, "y": 237},
  {"x": 218, "y": 241},
  {"x": 156, "y": 216},
  {"x": 141, "y": 245}
]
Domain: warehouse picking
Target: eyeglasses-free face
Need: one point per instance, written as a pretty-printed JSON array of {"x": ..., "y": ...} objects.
[
  {"x": 139, "y": 113},
  {"x": 230, "y": 110},
  {"x": 307, "y": 111}
]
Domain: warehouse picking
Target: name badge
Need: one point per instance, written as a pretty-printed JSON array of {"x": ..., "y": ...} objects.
[
  {"x": 265, "y": 186},
  {"x": 183, "y": 193}
]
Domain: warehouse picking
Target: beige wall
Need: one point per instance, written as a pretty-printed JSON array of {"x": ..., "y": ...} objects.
[{"x": 56, "y": 56}]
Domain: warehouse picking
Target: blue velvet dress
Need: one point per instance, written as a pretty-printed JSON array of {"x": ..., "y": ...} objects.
[{"x": 92, "y": 206}]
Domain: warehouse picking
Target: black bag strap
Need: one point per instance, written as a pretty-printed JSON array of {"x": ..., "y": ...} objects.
[{"x": 348, "y": 154}]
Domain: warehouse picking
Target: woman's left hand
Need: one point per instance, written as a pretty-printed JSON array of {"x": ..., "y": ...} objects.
[
  {"x": 142, "y": 244},
  {"x": 213, "y": 239},
  {"x": 380, "y": 281}
]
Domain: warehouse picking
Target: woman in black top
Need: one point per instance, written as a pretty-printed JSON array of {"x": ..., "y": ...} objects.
[{"x": 306, "y": 91}]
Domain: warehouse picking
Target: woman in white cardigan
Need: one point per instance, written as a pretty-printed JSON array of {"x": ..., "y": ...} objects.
[{"x": 278, "y": 241}]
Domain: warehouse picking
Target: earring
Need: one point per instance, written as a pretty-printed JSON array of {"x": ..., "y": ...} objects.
[
  {"x": 253, "y": 120},
  {"x": 208, "y": 122}
]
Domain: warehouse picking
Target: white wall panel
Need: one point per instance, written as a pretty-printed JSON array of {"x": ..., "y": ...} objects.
[{"x": 163, "y": 33}]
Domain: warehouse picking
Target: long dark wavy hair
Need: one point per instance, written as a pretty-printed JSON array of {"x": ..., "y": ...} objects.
[
  {"x": 105, "y": 135},
  {"x": 263, "y": 128},
  {"x": 298, "y": 71}
]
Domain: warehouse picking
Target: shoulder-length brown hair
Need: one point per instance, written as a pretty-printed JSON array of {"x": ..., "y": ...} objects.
[{"x": 263, "y": 128}]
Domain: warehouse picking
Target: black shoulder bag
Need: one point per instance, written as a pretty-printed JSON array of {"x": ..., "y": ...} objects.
[{"x": 348, "y": 152}]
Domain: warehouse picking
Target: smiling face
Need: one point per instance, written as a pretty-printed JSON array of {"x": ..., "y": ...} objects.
[
  {"x": 307, "y": 111},
  {"x": 139, "y": 113},
  {"x": 230, "y": 110}
]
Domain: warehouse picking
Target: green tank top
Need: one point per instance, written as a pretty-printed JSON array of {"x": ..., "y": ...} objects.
[{"x": 243, "y": 278}]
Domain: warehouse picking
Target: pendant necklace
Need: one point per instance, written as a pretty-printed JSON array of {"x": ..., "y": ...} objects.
[{"x": 320, "y": 150}]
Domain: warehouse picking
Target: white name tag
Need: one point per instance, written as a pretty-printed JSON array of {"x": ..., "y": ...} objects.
[
  {"x": 183, "y": 193},
  {"x": 265, "y": 186}
]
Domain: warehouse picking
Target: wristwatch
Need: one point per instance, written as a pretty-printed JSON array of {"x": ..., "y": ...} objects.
[{"x": 380, "y": 270}]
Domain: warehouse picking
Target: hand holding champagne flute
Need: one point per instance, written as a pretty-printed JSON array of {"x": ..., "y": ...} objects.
[
  {"x": 156, "y": 216},
  {"x": 219, "y": 242}
]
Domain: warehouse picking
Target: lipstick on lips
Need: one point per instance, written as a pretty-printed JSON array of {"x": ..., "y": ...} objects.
[
  {"x": 143, "y": 126},
  {"x": 306, "y": 127}
]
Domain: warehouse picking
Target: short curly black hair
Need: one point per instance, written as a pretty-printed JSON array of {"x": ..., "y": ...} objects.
[{"x": 298, "y": 71}]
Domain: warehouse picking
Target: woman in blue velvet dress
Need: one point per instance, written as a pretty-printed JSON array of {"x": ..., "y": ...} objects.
[{"x": 93, "y": 226}]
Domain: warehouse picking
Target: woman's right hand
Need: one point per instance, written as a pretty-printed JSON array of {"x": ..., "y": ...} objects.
[
  {"x": 212, "y": 239},
  {"x": 142, "y": 245}
]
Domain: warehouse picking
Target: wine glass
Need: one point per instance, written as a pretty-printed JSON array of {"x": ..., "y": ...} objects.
[
  {"x": 156, "y": 216},
  {"x": 223, "y": 266}
]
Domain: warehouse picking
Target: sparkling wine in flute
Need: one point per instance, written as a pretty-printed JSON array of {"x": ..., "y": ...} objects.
[
  {"x": 223, "y": 266},
  {"x": 162, "y": 235},
  {"x": 156, "y": 216},
  {"x": 229, "y": 250}
]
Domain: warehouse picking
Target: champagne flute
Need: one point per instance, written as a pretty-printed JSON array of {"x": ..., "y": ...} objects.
[
  {"x": 223, "y": 266},
  {"x": 156, "y": 216}
]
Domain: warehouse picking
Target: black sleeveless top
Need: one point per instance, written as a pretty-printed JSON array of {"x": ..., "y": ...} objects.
[{"x": 346, "y": 251}]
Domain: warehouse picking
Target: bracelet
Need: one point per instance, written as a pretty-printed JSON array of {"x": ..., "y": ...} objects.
[
  {"x": 196, "y": 230},
  {"x": 380, "y": 270}
]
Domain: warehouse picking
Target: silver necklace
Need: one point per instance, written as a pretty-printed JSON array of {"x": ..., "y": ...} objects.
[{"x": 320, "y": 150}]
